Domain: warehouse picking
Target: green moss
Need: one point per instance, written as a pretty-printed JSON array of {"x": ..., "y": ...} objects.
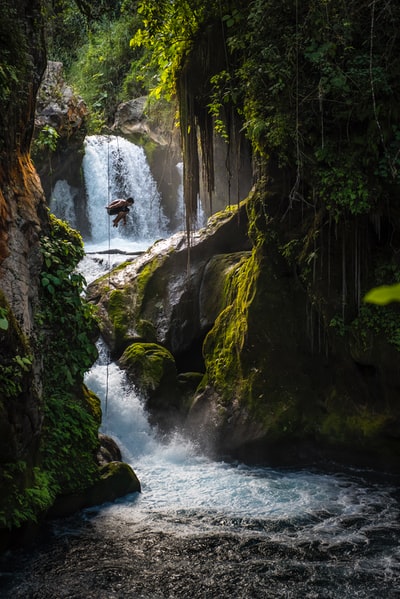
[
  {"x": 126, "y": 305},
  {"x": 144, "y": 278},
  {"x": 378, "y": 320},
  {"x": 357, "y": 428},
  {"x": 118, "y": 306},
  {"x": 146, "y": 330},
  {"x": 93, "y": 404},
  {"x": 150, "y": 364},
  {"x": 15, "y": 355},
  {"x": 226, "y": 340}
]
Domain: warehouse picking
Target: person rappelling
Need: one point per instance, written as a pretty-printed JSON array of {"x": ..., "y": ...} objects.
[{"x": 120, "y": 208}]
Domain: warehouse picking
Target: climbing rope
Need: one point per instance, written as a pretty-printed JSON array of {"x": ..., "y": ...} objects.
[{"x": 109, "y": 268}]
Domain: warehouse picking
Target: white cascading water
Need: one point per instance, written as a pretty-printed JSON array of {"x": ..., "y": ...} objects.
[
  {"x": 116, "y": 168},
  {"x": 187, "y": 491},
  {"x": 62, "y": 202}
]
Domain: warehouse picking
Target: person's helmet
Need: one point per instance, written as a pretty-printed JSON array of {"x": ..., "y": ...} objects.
[{"x": 130, "y": 200}]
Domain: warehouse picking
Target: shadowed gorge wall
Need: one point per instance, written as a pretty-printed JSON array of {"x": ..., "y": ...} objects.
[{"x": 48, "y": 420}]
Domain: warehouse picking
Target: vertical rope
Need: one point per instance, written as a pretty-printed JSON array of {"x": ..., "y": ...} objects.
[{"x": 109, "y": 266}]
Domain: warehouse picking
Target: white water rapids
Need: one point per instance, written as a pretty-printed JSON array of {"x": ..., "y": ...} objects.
[
  {"x": 202, "y": 528},
  {"x": 184, "y": 490}
]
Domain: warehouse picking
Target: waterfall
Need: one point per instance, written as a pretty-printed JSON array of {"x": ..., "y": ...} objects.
[
  {"x": 62, "y": 202},
  {"x": 116, "y": 168}
]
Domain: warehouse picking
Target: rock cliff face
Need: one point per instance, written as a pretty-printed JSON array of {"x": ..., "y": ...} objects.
[
  {"x": 60, "y": 129},
  {"x": 22, "y": 212},
  {"x": 22, "y": 208},
  {"x": 48, "y": 419},
  {"x": 22, "y": 219}
]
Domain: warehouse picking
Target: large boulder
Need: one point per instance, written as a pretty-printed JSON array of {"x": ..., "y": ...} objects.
[
  {"x": 108, "y": 450},
  {"x": 282, "y": 385},
  {"x": 131, "y": 119},
  {"x": 116, "y": 479},
  {"x": 152, "y": 370},
  {"x": 171, "y": 294}
]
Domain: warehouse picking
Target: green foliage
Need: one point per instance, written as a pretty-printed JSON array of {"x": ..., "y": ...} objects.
[
  {"x": 12, "y": 375},
  {"x": 65, "y": 343},
  {"x": 66, "y": 29},
  {"x": 107, "y": 70},
  {"x": 295, "y": 73},
  {"x": 69, "y": 443},
  {"x": 344, "y": 191},
  {"x": 337, "y": 323},
  {"x": 19, "y": 504},
  {"x": 290, "y": 250},
  {"x": 168, "y": 30},
  {"x": 12, "y": 65},
  {"x": 3, "y": 319},
  {"x": 8, "y": 76},
  {"x": 47, "y": 139},
  {"x": 69, "y": 23},
  {"x": 385, "y": 294},
  {"x": 65, "y": 316},
  {"x": 380, "y": 320}
]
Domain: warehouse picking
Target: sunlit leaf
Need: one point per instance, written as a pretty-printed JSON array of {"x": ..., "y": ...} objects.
[{"x": 385, "y": 294}]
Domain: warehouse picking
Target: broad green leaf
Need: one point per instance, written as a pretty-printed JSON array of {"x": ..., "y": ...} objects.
[{"x": 385, "y": 294}]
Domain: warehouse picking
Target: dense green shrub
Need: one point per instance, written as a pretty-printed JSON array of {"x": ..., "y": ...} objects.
[{"x": 107, "y": 70}]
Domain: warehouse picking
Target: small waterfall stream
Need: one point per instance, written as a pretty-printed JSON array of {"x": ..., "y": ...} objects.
[
  {"x": 207, "y": 529},
  {"x": 114, "y": 167}
]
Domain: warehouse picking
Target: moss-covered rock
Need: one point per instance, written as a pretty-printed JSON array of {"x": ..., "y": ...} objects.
[
  {"x": 19, "y": 406},
  {"x": 116, "y": 479},
  {"x": 215, "y": 285},
  {"x": 155, "y": 298},
  {"x": 272, "y": 386},
  {"x": 152, "y": 370}
]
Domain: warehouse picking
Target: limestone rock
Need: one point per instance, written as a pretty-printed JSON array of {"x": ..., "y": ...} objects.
[
  {"x": 66, "y": 112},
  {"x": 57, "y": 105},
  {"x": 130, "y": 119},
  {"x": 155, "y": 297}
]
